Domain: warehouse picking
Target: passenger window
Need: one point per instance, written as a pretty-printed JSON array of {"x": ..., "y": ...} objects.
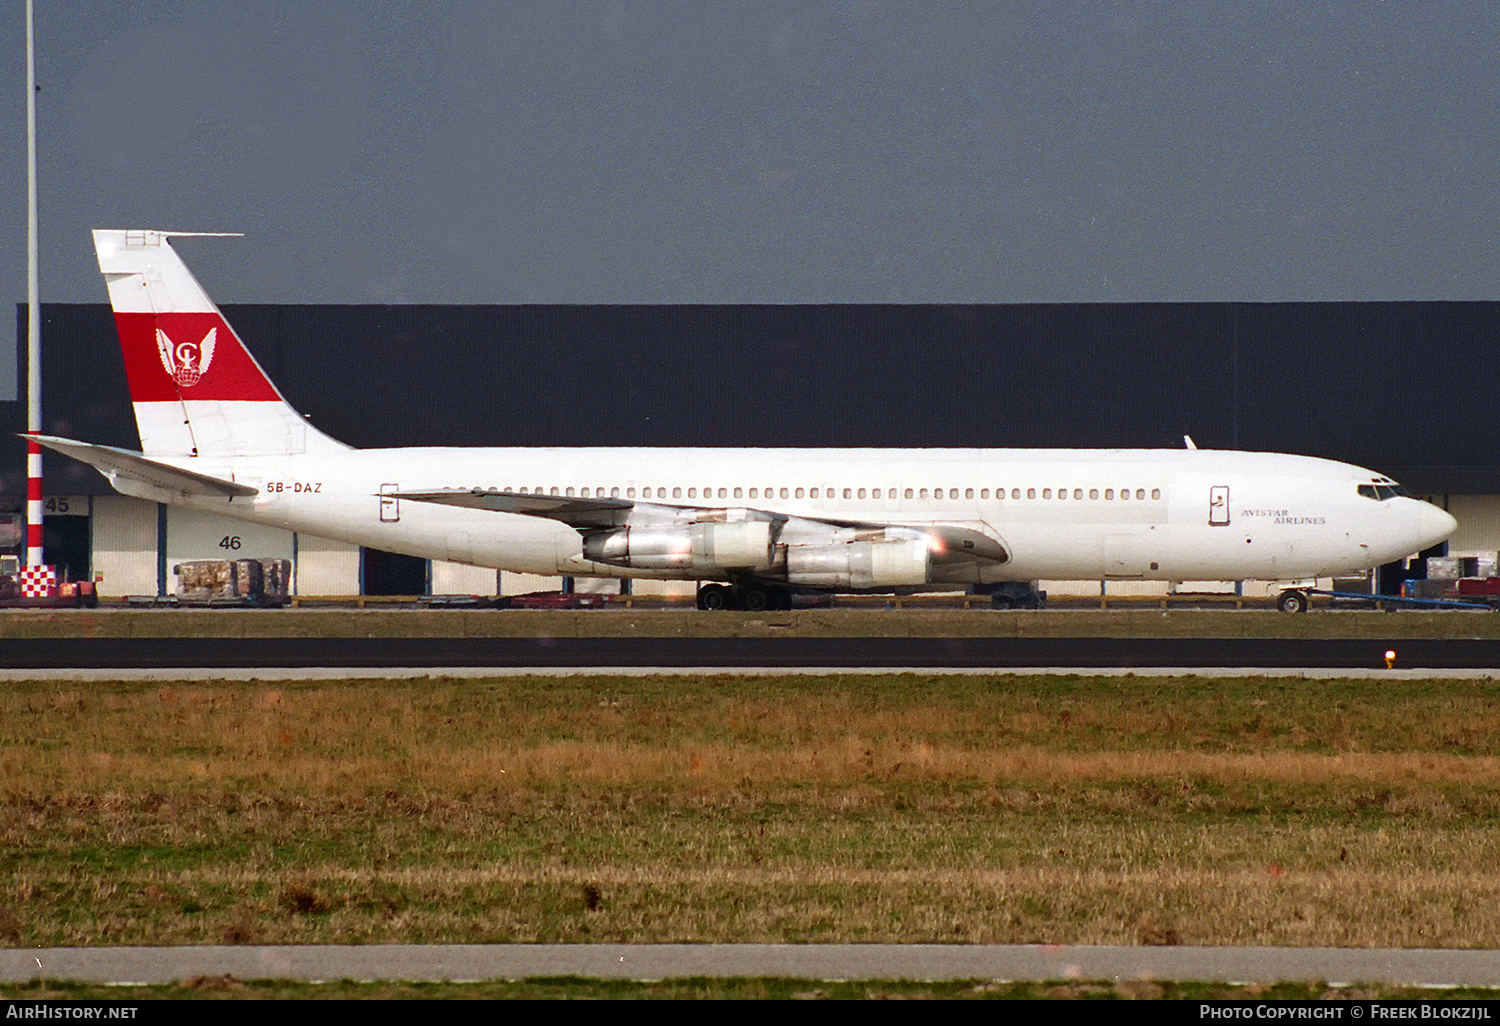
[
  {"x": 1156, "y": 493},
  {"x": 1031, "y": 493},
  {"x": 847, "y": 493},
  {"x": 784, "y": 494},
  {"x": 693, "y": 493},
  {"x": 798, "y": 493},
  {"x": 875, "y": 494},
  {"x": 1015, "y": 493},
  {"x": 554, "y": 490},
  {"x": 676, "y": 493},
  {"x": 1077, "y": 493},
  {"x": 968, "y": 493},
  {"x": 569, "y": 492},
  {"x": 1109, "y": 493},
  {"x": 860, "y": 494},
  {"x": 737, "y": 492},
  {"x": 1046, "y": 493},
  {"x": 1140, "y": 493},
  {"x": 1093, "y": 493},
  {"x": 752, "y": 493},
  {"x": 908, "y": 493},
  {"x": 614, "y": 493},
  {"x": 1124, "y": 493},
  {"x": 984, "y": 493}
]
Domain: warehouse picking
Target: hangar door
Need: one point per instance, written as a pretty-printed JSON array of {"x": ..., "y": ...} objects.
[
  {"x": 195, "y": 535},
  {"x": 66, "y": 536}
]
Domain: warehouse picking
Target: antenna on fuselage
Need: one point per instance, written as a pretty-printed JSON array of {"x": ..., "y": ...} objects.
[{"x": 1188, "y": 440}]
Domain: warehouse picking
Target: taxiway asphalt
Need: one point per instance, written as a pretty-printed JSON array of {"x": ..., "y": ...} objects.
[
  {"x": 471, "y": 962},
  {"x": 1473, "y": 654}
]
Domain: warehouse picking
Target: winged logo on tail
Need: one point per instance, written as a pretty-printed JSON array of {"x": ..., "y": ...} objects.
[{"x": 186, "y": 361}]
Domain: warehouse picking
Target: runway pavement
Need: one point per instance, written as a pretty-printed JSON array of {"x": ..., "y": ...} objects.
[
  {"x": 468, "y": 962},
  {"x": 655, "y": 652}
]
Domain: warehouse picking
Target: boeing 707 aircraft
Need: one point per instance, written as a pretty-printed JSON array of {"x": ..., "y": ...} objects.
[{"x": 750, "y": 525}]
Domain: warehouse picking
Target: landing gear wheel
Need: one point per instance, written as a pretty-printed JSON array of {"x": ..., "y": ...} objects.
[
  {"x": 757, "y": 599},
  {"x": 1292, "y": 601},
  {"x": 714, "y": 597}
]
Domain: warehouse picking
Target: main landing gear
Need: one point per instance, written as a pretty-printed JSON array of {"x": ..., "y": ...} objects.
[
  {"x": 1292, "y": 601},
  {"x": 755, "y": 597}
]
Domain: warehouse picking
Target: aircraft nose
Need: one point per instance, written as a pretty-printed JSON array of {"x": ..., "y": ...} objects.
[{"x": 1434, "y": 524}]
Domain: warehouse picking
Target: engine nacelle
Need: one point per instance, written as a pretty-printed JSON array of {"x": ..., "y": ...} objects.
[
  {"x": 738, "y": 546},
  {"x": 860, "y": 564}
]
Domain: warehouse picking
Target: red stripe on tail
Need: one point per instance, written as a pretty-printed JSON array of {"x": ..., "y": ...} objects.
[{"x": 172, "y": 356}]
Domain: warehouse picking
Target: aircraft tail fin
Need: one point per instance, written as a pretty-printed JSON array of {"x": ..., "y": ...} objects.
[{"x": 196, "y": 389}]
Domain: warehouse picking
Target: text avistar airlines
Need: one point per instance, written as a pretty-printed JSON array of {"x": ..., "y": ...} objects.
[{"x": 753, "y": 524}]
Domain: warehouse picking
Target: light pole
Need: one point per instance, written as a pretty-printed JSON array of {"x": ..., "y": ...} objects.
[{"x": 33, "y": 316}]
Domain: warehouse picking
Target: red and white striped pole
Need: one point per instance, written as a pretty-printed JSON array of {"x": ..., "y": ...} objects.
[
  {"x": 33, "y": 503},
  {"x": 34, "y": 317}
]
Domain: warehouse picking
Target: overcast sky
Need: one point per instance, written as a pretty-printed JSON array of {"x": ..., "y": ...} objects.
[{"x": 707, "y": 152}]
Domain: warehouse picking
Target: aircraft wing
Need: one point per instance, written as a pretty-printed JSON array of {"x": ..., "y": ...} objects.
[
  {"x": 950, "y": 543},
  {"x": 578, "y": 513},
  {"x": 121, "y": 464}
]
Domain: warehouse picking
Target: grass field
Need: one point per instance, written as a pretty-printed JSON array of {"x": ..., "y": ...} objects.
[{"x": 902, "y": 808}]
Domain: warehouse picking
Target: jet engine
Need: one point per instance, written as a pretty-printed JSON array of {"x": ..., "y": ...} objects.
[
  {"x": 746, "y": 545},
  {"x": 860, "y": 564}
]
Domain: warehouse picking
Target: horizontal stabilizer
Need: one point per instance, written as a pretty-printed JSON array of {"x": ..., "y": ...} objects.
[
  {"x": 122, "y": 465},
  {"x": 575, "y": 512}
]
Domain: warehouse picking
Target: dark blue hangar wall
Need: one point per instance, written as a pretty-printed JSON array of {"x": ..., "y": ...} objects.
[{"x": 1404, "y": 388}]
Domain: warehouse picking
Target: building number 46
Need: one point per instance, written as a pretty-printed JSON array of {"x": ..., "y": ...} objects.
[{"x": 229, "y": 541}]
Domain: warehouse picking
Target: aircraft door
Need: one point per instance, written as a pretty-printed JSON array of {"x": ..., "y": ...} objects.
[
  {"x": 1218, "y": 506},
  {"x": 390, "y": 506}
]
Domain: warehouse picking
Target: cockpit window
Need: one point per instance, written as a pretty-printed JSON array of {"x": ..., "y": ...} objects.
[{"x": 1381, "y": 492}]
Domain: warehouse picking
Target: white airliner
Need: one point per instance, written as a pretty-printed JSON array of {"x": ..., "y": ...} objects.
[{"x": 751, "y": 525}]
